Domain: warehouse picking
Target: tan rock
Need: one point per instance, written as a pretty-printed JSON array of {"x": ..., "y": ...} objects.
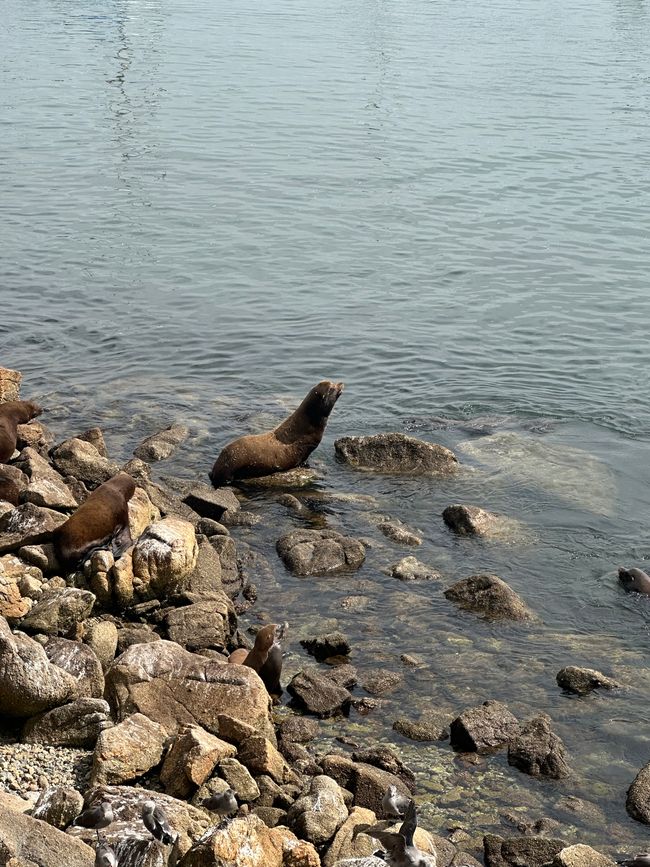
[
  {"x": 345, "y": 844},
  {"x": 581, "y": 856},
  {"x": 142, "y": 512},
  {"x": 32, "y": 843},
  {"x": 164, "y": 555},
  {"x": 261, "y": 757},
  {"x": 243, "y": 842},
  {"x": 12, "y": 604},
  {"x": 127, "y": 751},
  {"x": 192, "y": 758},
  {"x": 299, "y": 853},
  {"x": 9, "y": 384}
]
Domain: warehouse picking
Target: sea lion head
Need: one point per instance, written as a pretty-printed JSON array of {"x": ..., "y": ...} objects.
[
  {"x": 320, "y": 401},
  {"x": 33, "y": 408},
  {"x": 265, "y": 638},
  {"x": 634, "y": 579},
  {"x": 124, "y": 483}
]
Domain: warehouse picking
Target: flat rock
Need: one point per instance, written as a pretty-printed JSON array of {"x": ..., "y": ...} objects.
[
  {"x": 77, "y": 724},
  {"x": 411, "y": 569},
  {"x": 317, "y": 694},
  {"x": 324, "y": 646},
  {"x": 399, "y": 533},
  {"x": 431, "y": 726},
  {"x": 538, "y": 751},
  {"x": 33, "y": 843},
  {"x": 584, "y": 680},
  {"x": 320, "y": 552},
  {"x": 483, "y": 728},
  {"x": 27, "y": 525},
  {"x": 299, "y": 477},
  {"x": 80, "y": 459},
  {"x": 212, "y": 502},
  {"x": 518, "y": 851},
  {"x": 128, "y": 750},
  {"x": 395, "y": 453},
  {"x": 163, "y": 444},
  {"x": 57, "y": 612},
  {"x": 490, "y": 597}
]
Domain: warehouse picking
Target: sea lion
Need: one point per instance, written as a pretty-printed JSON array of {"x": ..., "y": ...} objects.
[
  {"x": 285, "y": 447},
  {"x": 266, "y": 656},
  {"x": 101, "y": 521},
  {"x": 13, "y": 413},
  {"x": 634, "y": 579}
]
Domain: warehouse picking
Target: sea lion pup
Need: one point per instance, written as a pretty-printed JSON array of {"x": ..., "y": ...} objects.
[
  {"x": 13, "y": 413},
  {"x": 100, "y": 521},
  {"x": 266, "y": 656},
  {"x": 284, "y": 448},
  {"x": 634, "y": 579}
]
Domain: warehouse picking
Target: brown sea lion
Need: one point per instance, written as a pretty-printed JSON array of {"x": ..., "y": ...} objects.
[
  {"x": 13, "y": 413},
  {"x": 101, "y": 521},
  {"x": 634, "y": 579},
  {"x": 266, "y": 656},
  {"x": 284, "y": 448}
]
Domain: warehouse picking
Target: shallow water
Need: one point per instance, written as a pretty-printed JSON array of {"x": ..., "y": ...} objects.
[{"x": 446, "y": 205}]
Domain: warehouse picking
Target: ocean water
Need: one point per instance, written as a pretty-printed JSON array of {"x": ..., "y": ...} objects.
[{"x": 207, "y": 208}]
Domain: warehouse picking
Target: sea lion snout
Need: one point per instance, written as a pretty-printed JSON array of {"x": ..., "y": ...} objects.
[
  {"x": 329, "y": 392},
  {"x": 634, "y": 579}
]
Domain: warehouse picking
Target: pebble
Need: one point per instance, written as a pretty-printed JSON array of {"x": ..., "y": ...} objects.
[{"x": 30, "y": 767}]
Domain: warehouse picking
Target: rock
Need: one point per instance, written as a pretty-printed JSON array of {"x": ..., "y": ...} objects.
[
  {"x": 584, "y": 680},
  {"x": 34, "y": 435},
  {"x": 411, "y": 569},
  {"x": 208, "y": 527},
  {"x": 637, "y": 803},
  {"x": 27, "y": 525},
  {"x": 40, "y": 556},
  {"x": 318, "y": 694},
  {"x": 173, "y": 687},
  {"x": 386, "y": 759},
  {"x": 299, "y": 854},
  {"x": 346, "y": 845},
  {"x": 101, "y": 637},
  {"x": 58, "y": 612},
  {"x": 319, "y": 814},
  {"x": 9, "y": 384},
  {"x": 13, "y": 484},
  {"x": 58, "y": 806},
  {"x": 538, "y": 751},
  {"x": 470, "y": 520},
  {"x": 300, "y": 477},
  {"x": 519, "y": 851},
  {"x": 12, "y": 604},
  {"x": 142, "y": 512},
  {"x": 77, "y": 724},
  {"x": 29, "y": 683},
  {"x": 205, "y": 580},
  {"x": 298, "y": 729},
  {"x": 489, "y": 596},
  {"x": 163, "y": 556},
  {"x": 368, "y": 861},
  {"x": 581, "y": 856},
  {"x": 431, "y": 726},
  {"x": 212, "y": 502},
  {"x": 127, "y": 751},
  {"x": 483, "y": 728},
  {"x": 209, "y": 623},
  {"x": 46, "y": 487},
  {"x": 318, "y": 552},
  {"x": 80, "y": 459},
  {"x": 193, "y": 756},
  {"x": 260, "y": 756},
  {"x": 136, "y": 634},
  {"x": 162, "y": 445},
  {"x": 79, "y": 661},
  {"x": 239, "y": 779},
  {"x": 33, "y": 843},
  {"x": 381, "y": 680},
  {"x": 95, "y": 437},
  {"x": 399, "y": 533},
  {"x": 396, "y": 453},
  {"x": 367, "y": 783},
  {"x": 324, "y": 646}
]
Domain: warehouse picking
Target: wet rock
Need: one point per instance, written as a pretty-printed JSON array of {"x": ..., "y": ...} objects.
[
  {"x": 29, "y": 683},
  {"x": 77, "y": 724},
  {"x": 300, "y": 477},
  {"x": 79, "y": 661},
  {"x": 431, "y": 726},
  {"x": 142, "y": 513},
  {"x": 411, "y": 569},
  {"x": 318, "y": 815},
  {"x": 162, "y": 445},
  {"x": 80, "y": 459},
  {"x": 208, "y": 527},
  {"x": 173, "y": 687},
  {"x": 483, "y": 728},
  {"x": 538, "y": 751},
  {"x": 317, "y": 694},
  {"x": 101, "y": 637},
  {"x": 395, "y": 453},
  {"x": 46, "y": 487},
  {"x": 324, "y": 646},
  {"x": 489, "y": 596},
  {"x": 341, "y": 675},
  {"x": 367, "y": 783},
  {"x": 298, "y": 729},
  {"x": 192, "y": 758},
  {"x": 386, "y": 759},
  {"x": 209, "y": 623},
  {"x": 381, "y": 680},
  {"x": 58, "y": 806},
  {"x": 519, "y": 851},
  {"x": 399, "y": 533},
  {"x": 163, "y": 556},
  {"x": 260, "y": 756},
  {"x": 320, "y": 552},
  {"x": 581, "y": 856},
  {"x": 470, "y": 520},
  {"x": 9, "y": 384},
  {"x": 128, "y": 750},
  {"x": 28, "y": 841},
  {"x": 637, "y": 802},
  {"x": 27, "y": 525},
  {"x": 212, "y": 502},
  {"x": 584, "y": 680},
  {"x": 57, "y": 612},
  {"x": 346, "y": 845}
]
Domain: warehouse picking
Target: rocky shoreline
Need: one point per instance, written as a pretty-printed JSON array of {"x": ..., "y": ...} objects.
[{"x": 115, "y": 682}]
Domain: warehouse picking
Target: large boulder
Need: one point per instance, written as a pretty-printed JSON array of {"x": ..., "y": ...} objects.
[
  {"x": 82, "y": 460},
  {"x": 192, "y": 758},
  {"x": 367, "y": 783},
  {"x": 46, "y": 486},
  {"x": 317, "y": 694},
  {"x": 34, "y": 843},
  {"x": 583, "y": 680},
  {"x": 79, "y": 661},
  {"x": 163, "y": 556},
  {"x": 206, "y": 624},
  {"x": 490, "y": 597},
  {"x": 27, "y": 525},
  {"x": 483, "y": 728},
  {"x": 57, "y": 612},
  {"x": 320, "y": 552},
  {"x": 319, "y": 814},
  {"x": 538, "y": 751},
  {"x": 396, "y": 453},
  {"x": 77, "y": 724},
  {"x": 29, "y": 682},
  {"x": 174, "y": 687},
  {"x": 163, "y": 444},
  {"x": 127, "y": 751}
]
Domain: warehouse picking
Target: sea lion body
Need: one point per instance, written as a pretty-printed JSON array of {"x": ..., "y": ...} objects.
[
  {"x": 13, "y": 413},
  {"x": 266, "y": 656},
  {"x": 285, "y": 447},
  {"x": 634, "y": 579},
  {"x": 100, "y": 521}
]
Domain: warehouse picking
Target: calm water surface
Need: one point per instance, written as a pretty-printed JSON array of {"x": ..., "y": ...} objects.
[{"x": 206, "y": 208}]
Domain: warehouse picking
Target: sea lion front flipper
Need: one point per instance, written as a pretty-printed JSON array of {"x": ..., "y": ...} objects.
[{"x": 121, "y": 541}]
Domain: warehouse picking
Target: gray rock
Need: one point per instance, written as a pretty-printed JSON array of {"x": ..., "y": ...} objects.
[
  {"x": 128, "y": 750},
  {"x": 29, "y": 683},
  {"x": 411, "y": 569},
  {"x": 324, "y": 646},
  {"x": 387, "y": 759},
  {"x": 77, "y": 724},
  {"x": 637, "y": 802},
  {"x": 28, "y": 841},
  {"x": 320, "y": 552},
  {"x": 298, "y": 729},
  {"x": 317, "y": 694},
  {"x": 79, "y": 661},
  {"x": 208, "y": 527},
  {"x": 318, "y": 815},
  {"x": 34, "y": 435},
  {"x": 431, "y": 726},
  {"x": 58, "y": 612},
  {"x": 399, "y": 533},
  {"x": 40, "y": 556},
  {"x": 381, "y": 680},
  {"x": 101, "y": 637},
  {"x": 209, "y": 623},
  {"x": 490, "y": 597},
  {"x": 584, "y": 680},
  {"x": 137, "y": 634},
  {"x": 13, "y": 483},
  {"x": 239, "y": 779},
  {"x": 538, "y": 751},
  {"x": 367, "y": 783},
  {"x": 483, "y": 728},
  {"x": 519, "y": 851},
  {"x": 95, "y": 437},
  {"x": 162, "y": 445},
  {"x": 58, "y": 806},
  {"x": 27, "y": 525},
  {"x": 212, "y": 502},
  {"x": 80, "y": 459},
  {"x": 469, "y": 520},
  {"x": 395, "y": 453}
]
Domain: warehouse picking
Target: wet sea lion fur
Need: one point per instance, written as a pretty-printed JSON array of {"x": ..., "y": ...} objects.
[
  {"x": 13, "y": 413},
  {"x": 634, "y": 579}
]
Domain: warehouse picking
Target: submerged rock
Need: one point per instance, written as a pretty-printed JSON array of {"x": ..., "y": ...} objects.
[
  {"x": 411, "y": 569},
  {"x": 324, "y": 646},
  {"x": 470, "y": 520},
  {"x": 395, "y": 453},
  {"x": 431, "y": 726},
  {"x": 399, "y": 533},
  {"x": 489, "y": 596},
  {"x": 581, "y": 856},
  {"x": 519, "y": 851},
  {"x": 163, "y": 444},
  {"x": 584, "y": 680},
  {"x": 538, "y": 751},
  {"x": 318, "y": 552}
]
